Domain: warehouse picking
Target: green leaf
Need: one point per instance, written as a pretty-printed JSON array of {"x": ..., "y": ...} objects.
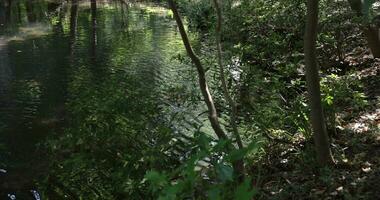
[
  {"x": 244, "y": 191},
  {"x": 224, "y": 172},
  {"x": 237, "y": 154},
  {"x": 203, "y": 141},
  {"x": 329, "y": 100},
  {"x": 214, "y": 193},
  {"x": 221, "y": 145},
  {"x": 157, "y": 179},
  {"x": 366, "y": 6},
  {"x": 241, "y": 153},
  {"x": 171, "y": 192}
]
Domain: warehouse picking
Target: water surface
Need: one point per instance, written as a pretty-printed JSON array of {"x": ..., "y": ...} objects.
[{"x": 56, "y": 57}]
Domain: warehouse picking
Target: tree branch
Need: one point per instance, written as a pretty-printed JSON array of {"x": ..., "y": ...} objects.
[{"x": 226, "y": 93}]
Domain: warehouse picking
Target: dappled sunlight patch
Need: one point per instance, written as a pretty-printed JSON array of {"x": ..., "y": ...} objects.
[
  {"x": 235, "y": 68},
  {"x": 154, "y": 9},
  {"x": 16, "y": 39},
  {"x": 366, "y": 122},
  {"x": 2, "y": 42},
  {"x": 27, "y": 32},
  {"x": 104, "y": 4},
  {"x": 134, "y": 122},
  {"x": 370, "y": 71},
  {"x": 35, "y": 30}
]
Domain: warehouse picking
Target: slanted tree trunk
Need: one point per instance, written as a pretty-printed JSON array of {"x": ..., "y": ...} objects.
[
  {"x": 371, "y": 32},
  {"x": 212, "y": 113},
  {"x": 321, "y": 139},
  {"x": 231, "y": 102}
]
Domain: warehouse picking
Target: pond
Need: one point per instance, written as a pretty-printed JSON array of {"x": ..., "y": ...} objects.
[{"x": 72, "y": 66}]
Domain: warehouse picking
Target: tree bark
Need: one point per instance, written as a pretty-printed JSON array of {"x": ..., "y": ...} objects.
[
  {"x": 30, "y": 11},
  {"x": 213, "y": 115},
  {"x": 73, "y": 26},
  {"x": 371, "y": 32},
  {"x": 372, "y": 35},
  {"x": 94, "y": 31},
  {"x": 321, "y": 139},
  {"x": 227, "y": 96},
  {"x": 8, "y": 12}
]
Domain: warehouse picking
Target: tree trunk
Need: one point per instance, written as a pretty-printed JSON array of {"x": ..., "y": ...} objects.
[
  {"x": 372, "y": 35},
  {"x": 226, "y": 93},
  {"x": 321, "y": 140},
  {"x": 73, "y": 25},
  {"x": 8, "y": 12},
  {"x": 30, "y": 11},
  {"x": 94, "y": 29},
  {"x": 371, "y": 32},
  {"x": 213, "y": 115}
]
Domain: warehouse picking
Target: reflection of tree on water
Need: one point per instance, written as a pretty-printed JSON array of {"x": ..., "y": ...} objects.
[
  {"x": 8, "y": 11},
  {"x": 124, "y": 7},
  {"x": 73, "y": 25},
  {"x": 32, "y": 87},
  {"x": 5, "y": 78},
  {"x": 89, "y": 50},
  {"x": 30, "y": 9},
  {"x": 5, "y": 12},
  {"x": 14, "y": 13},
  {"x": 5, "y": 71},
  {"x": 57, "y": 10},
  {"x": 93, "y": 27}
]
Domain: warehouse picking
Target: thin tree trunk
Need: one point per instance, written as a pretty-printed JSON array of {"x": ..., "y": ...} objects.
[
  {"x": 373, "y": 39},
  {"x": 94, "y": 29},
  {"x": 73, "y": 25},
  {"x": 226, "y": 93},
  {"x": 30, "y": 12},
  {"x": 371, "y": 32},
  {"x": 213, "y": 115},
  {"x": 8, "y": 12},
  {"x": 321, "y": 139},
  {"x": 19, "y": 18}
]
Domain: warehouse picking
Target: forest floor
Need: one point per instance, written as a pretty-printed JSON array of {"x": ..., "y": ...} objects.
[{"x": 356, "y": 150}]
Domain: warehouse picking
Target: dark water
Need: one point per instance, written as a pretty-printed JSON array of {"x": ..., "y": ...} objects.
[{"x": 49, "y": 52}]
